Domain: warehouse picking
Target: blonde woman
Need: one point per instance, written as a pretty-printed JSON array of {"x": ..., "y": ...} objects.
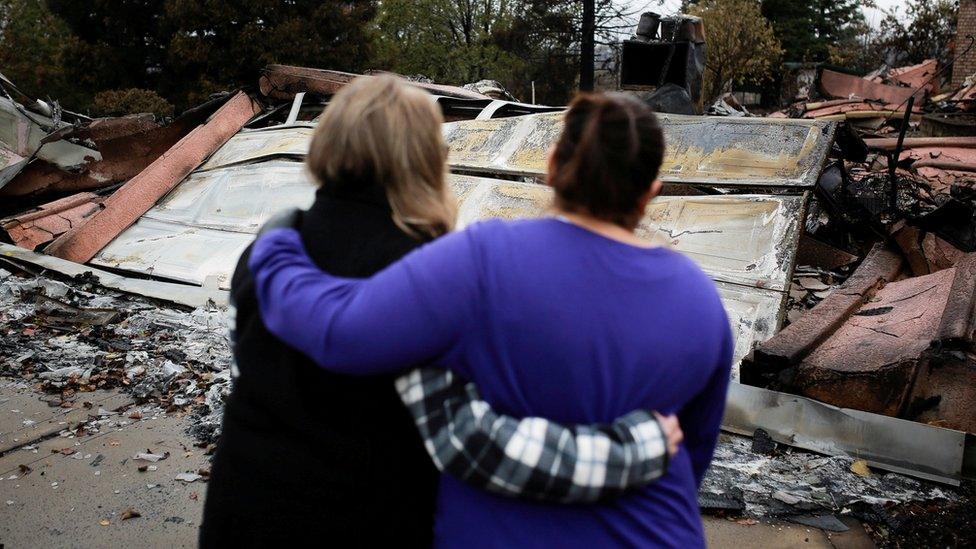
[{"x": 307, "y": 454}]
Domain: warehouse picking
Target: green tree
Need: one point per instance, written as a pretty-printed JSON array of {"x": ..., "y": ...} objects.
[
  {"x": 118, "y": 43},
  {"x": 543, "y": 38},
  {"x": 741, "y": 44},
  {"x": 928, "y": 33},
  {"x": 132, "y": 100},
  {"x": 459, "y": 41},
  {"x": 446, "y": 40},
  {"x": 807, "y": 29},
  {"x": 836, "y": 22},
  {"x": 33, "y": 47},
  {"x": 516, "y": 42},
  {"x": 858, "y": 53},
  {"x": 186, "y": 49},
  {"x": 217, "y": 44}
]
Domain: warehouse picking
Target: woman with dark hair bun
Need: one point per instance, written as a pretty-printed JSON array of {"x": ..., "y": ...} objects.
[{"x": 571, "y": 317}]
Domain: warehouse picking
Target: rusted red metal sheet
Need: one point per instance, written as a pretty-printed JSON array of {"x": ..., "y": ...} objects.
[
  {"x": 922, "y": 156},
  {"x": 837, "y": 84},
  {"x": 917, "y": 76},
  {"x": 46, "y": 222},
  {"x": 284, "y": 81},
  {"x": 139, "y": 194},
  {"x": 878, "y": 344},
  {"x": 127, "y": 145},
  {"x": 797, "y": 340},
  {"x": 871, "y": 360}
]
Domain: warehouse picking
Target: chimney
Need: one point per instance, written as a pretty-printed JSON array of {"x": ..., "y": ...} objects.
[{"x": 965, "y": 26}]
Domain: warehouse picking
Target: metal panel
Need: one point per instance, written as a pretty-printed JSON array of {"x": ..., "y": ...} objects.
[
  {"x": 887, "y": 443},
  {"x": 253, "y": 145},
  {"x": 755, "y": 315},
  {"x": 173, "y": 251},
  {"x": 21, "y": 138},
  {"x": 198, "y": 231},
  {"x": 743, "y": 239},
  {"x": 239, "y": 198},
  {"x": 700, "y": 149}
]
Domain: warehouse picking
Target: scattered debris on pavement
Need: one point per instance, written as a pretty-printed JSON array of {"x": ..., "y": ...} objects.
[{"x": 170, "y": 358}]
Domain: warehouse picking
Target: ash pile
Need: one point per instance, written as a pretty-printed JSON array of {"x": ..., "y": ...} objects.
[{"x": 69, "y": 339}]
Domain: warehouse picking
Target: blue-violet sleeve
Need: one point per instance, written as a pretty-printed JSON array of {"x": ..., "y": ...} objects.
[{"x": 414, "y": 311}]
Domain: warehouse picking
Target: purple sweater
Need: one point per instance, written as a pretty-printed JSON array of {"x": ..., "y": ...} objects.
[{"x": 548, "y": 319}]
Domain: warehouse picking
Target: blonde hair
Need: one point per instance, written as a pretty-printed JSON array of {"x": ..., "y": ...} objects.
[{"x": 381, "y": 130}]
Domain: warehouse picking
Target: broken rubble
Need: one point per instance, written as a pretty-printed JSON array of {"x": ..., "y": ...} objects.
[{"x": 793, "y": 483}]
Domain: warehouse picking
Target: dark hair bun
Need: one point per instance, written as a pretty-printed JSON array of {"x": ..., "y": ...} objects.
[{"x": 608, "y": 155}]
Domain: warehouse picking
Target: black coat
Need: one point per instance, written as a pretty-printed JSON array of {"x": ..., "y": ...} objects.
[{"x": 306, "y": 454}]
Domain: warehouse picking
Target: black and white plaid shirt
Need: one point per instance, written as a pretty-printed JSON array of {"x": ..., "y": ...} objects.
[{"x": 532, "y": 457}]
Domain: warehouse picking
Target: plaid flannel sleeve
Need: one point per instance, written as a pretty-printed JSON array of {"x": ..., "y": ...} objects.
[{"x": 531, "y": 457}]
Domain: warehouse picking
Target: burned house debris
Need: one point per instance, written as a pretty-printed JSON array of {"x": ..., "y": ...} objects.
[{"x": 841, "y": 233}]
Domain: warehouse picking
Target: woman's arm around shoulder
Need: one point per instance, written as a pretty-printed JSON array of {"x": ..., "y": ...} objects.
[
  {"x": 533, "y": 457},
  {"x": 414, "y": 311}
]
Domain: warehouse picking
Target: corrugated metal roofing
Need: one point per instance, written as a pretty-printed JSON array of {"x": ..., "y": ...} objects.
[
  {"x": 207, "y": 221},
  {"x": 254, "y": 145},
  {"x": 725, "y": 151}
]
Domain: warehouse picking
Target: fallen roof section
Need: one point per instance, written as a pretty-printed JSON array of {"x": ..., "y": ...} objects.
[
  {"x": 46, "y": 222},
  {"x": 139, "y": 194},
  {"x": 726, "y": 151},
  {"x": 838, "y": 84},
  {"x": 197, "y": 232},
  {"x": 883, "y": 345}
]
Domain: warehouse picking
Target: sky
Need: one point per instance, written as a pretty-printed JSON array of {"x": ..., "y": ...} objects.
[{"x": 873, "y": 15}]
